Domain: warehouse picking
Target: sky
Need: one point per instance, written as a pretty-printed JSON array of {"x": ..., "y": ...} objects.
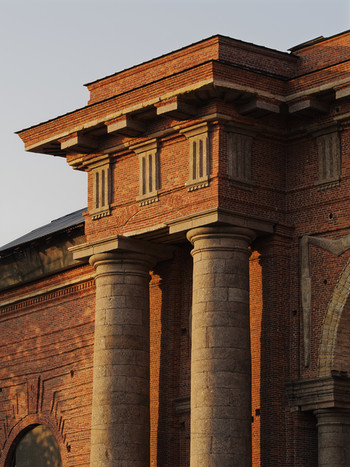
[{"x": 50, "y": 48}]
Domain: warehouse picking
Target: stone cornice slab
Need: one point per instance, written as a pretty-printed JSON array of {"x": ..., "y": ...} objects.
[
  {"x": 320, "y": 393},
  {"x": 220, "y": 216},
  {"x": 88, "y": 115},
  {"x": 120, "y": 243}
]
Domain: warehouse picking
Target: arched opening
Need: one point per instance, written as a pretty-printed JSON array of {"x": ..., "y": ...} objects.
[
  {"x": 341, "y": 361},
  {"x": 334, "y": 349},
  {"x": 36, "y": 448}
]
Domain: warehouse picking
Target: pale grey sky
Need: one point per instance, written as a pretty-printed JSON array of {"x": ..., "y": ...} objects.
[{"x": 50, "y": 48}]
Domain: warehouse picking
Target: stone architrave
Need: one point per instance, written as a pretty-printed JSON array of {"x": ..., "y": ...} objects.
[
  {"x": 120, "y": 407},
  {"x": 220, "y": 355}
]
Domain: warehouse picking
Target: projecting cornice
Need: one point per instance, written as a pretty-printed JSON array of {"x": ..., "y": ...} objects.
[
  {"x": 81, "y": 131},
  {"x": 128, "y": 115},
  {"x": 320, "y": 393}
]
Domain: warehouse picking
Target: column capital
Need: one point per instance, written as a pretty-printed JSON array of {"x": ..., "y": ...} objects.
[
  {"x": 333, "y": 427},
  {"x": 332, "y": 415},
  {"x": 221, "y": 237},
  {"x": 122, "y": 257},
  {"x": 122, "y": 262}
]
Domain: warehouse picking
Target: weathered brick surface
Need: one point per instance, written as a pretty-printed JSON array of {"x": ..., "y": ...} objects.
[
  {"x": 282, "y": 101},
  {"x": 46, "y": 365}
]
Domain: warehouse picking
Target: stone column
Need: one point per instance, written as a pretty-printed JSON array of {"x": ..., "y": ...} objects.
[
  {"x": 328, "y": 398},
  {"x": 220, "y": 358},
  {"x": 333, "y": 427},
  {"x": 120, "y": 406}
]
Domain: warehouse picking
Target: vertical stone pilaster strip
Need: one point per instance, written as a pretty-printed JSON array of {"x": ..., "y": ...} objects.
[
  {"x": 333, "y": 427},
  {"x": 120, "y": 406},
  {"x": 220, "y": 355}
]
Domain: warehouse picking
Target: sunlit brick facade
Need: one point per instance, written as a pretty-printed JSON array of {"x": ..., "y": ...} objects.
[{"x": 198, "y": 313}]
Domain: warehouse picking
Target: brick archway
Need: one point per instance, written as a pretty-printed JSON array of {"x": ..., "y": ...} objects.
[
  {"x": 18, "y": 431},
  {"x": 335, "y": 348}
]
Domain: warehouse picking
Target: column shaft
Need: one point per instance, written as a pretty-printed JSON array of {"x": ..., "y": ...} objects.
[
  {"x": 220, "y": 355},
  {"x": 120, "y": 406},
  {"x": 333, "y": 427}
]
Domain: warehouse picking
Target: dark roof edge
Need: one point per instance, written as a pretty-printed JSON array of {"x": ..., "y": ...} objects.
[{"x": 55, "y": 226}]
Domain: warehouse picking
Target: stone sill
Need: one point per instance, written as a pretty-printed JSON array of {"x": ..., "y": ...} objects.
[
  {"x": 241, "y": 183},
  {"x": 148, "y": 198},
  {"x": 98, "y": 213},
  {"x": 327, "y": 183},
  {"x": 193, "y": 185}
]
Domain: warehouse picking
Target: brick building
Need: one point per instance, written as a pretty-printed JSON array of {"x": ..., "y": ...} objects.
[{"x": 197, "y": 312}]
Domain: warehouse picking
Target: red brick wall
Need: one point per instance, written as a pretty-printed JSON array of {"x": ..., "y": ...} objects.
[
  {"x": 214, "y": 48},
  {"x": 174, "y": 199},
  {"x": 283, "y": 192},
  {"x": 256, "y": 307},
  {"x": 326, "y": 53},
  {"x": 46, "y": 364},
  {"x": 170, "y": 304}
]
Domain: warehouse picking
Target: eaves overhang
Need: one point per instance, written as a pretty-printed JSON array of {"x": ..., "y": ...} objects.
[
  {"x": 41, "y": 253},
  {"x": 55, "y": 227},
  {"x": 88, "y": 130},
  {"x": 81, "y": 131}
]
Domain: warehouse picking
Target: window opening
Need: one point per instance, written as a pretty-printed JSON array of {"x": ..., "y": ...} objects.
[{"x": 37, "y": 448}]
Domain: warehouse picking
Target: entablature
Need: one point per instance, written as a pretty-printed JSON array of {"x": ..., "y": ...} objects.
[
  {"x": 174, "y": 231},
  {"x": 320, "y": 393}
]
